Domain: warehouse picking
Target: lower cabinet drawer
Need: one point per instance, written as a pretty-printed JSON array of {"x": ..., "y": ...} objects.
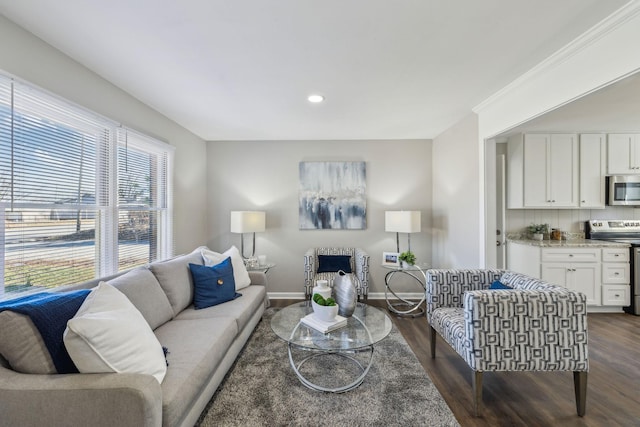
[
  {"x": 615, "y": 272},
  {"x": 616, "y": 295}
]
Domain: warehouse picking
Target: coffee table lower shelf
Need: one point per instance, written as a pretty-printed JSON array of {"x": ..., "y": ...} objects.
[{"x": 297, "y": 367}]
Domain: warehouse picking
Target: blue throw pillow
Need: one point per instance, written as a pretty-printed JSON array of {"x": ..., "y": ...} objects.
[
  {"x": 213, "y": 285},
  {"x": 499, "y": 285},
  {"x": 334, "y": 263}
]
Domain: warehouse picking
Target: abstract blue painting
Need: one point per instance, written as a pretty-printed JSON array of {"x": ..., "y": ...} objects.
[{"x": 333, "y": 196}]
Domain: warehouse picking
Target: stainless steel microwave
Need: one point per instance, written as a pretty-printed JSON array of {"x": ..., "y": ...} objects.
[{"x": 624, "y": 190}]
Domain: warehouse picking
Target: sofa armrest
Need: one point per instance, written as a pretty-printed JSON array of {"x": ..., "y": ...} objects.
[
  {"x": 446, "y": 287},
  {"x": 79, "y": 399},
  {"x": 526, "y": 330},
  {"x": 258, "y": 278}
]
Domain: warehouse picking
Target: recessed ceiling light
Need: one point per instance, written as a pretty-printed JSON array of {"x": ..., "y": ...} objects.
[{"x": 315, "y": 98}]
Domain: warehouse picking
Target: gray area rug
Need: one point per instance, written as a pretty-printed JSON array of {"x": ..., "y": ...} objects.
[{"x": 261, "y": 389}]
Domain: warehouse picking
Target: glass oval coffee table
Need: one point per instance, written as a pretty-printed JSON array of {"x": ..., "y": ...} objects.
[{"x": 351, "y": 344}]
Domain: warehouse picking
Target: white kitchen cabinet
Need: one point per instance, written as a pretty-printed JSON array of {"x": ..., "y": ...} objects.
[
  {"x": 524, "y": 259},
  {"x": 623, "y": 153},
  {"x": 600, "y": 272},
  {"x": 616, "y": 276},
  {"x": 580, "y": 277},
  {"x": 592, "y": 167},
  {"x": 616, "y": 295},
  {"x": 578, "y": 269},
  {"x": 550, "y": 175},
  {"x": 570, "y": 255}
]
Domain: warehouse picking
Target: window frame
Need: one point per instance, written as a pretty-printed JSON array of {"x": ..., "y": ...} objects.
[{"x": 107, "y": 208}]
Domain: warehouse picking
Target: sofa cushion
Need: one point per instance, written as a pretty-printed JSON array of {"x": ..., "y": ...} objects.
[
  {"x": 175, "y": 279},
  {"x": 144, "y": 292},
  {"x": 108, "y": 334},
  {"x": 240, "y": 274},
  {"x": 213, "y": 285},
  {"x": 449, "y": 322},
  {"x": 240, "y": 309},
  {"x": 334, "y": 263},
  {"x": 196, "y": 348},
  {"x": 22, "y": 345}
]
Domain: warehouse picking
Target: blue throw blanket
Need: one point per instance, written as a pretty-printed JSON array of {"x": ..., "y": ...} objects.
[{"x": 50, "y": 312}]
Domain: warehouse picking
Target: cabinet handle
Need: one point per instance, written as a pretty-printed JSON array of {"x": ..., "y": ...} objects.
[
  {"x": 583, "y": 201},
  {"x": 617, "y": 255},
  {"x": 616, "y": 273},
  {"x": 571, "y": 255},
  {"x": 617, "y": 296}
]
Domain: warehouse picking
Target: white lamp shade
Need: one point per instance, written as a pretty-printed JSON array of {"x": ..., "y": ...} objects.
[
  {"x": 402, "y": 221},
  {"x": 247, "y": 221}
]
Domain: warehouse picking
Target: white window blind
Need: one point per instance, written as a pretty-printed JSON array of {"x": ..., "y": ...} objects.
[
  {"x": 143, "y": 199},
  {"x": 75, "y": 203}
]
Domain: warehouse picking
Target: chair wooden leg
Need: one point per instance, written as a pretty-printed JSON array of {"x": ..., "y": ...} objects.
[
  {"x": 433, "y": 336},
  {"x": 476, "y": 381},
  {"x": 580, "y": 386}
]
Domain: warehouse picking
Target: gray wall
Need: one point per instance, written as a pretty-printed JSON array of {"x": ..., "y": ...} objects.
[
  {"x": 457, "y": 220},
  {"x": 263, "y": 175},
  {"x": 30, "y": 59}
]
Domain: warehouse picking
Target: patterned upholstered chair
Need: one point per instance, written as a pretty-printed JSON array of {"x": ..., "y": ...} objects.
[
  {"x": 535, "y": 326},
  {"x": 318, "y": 260}
]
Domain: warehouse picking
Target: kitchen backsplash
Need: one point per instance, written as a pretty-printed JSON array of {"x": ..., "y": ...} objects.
[{"x": 567, "y": 220}]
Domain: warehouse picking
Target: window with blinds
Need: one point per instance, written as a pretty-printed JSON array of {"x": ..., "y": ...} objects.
[{"x": 79, "y": 197}]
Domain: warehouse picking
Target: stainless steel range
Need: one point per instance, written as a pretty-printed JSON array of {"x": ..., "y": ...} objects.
[{"x": 624, "y": 231}]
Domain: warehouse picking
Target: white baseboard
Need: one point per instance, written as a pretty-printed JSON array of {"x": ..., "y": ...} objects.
[{"x": 605, "y": 309}]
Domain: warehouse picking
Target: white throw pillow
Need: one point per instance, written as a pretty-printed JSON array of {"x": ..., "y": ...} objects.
[
  {"x": 240, "y": 274},
  {"x": 109, "y": 334}
]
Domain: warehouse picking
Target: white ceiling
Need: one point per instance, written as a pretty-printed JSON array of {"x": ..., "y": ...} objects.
[{"x": 242, "y": 69}]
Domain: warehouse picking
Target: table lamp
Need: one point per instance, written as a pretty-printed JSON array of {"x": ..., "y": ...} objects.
[
  {"x": 247, "y": 222},
  {"x": 402, "y": 222}
]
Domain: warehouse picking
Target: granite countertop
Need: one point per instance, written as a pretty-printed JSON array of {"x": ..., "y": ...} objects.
[{"x": 571, "y": 243}]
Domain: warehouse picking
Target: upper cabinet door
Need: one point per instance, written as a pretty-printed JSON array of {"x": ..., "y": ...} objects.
[
  {"x": 550, "y": 170},
  {"x": 563, "y": 170},
  {"x": 623, "y": 153},
  {"x": 592, "y": 170},
  {"x": 536, "y": 174}
]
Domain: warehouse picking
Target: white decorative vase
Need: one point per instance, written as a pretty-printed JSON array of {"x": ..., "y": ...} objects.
[
  {"x": 322, "y": 288},
  {"x": 345, "y": 294},
  {"x": 537, "y": 236},
  {"x": 405, "y": 265}
]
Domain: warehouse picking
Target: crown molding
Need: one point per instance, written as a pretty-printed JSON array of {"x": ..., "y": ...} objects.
[{"x": 604, "y": 27}]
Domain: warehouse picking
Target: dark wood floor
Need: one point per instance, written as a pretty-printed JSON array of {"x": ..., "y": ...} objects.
[{"x": 539, "y": 398}]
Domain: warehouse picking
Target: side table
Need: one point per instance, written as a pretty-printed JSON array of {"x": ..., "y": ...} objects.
[
  {"x": 261, "y": 267},
  {"x": 397, "y": 304}
]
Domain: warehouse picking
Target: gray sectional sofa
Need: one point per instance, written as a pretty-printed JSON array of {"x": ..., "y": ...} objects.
[{"x": 202, "y": 345}]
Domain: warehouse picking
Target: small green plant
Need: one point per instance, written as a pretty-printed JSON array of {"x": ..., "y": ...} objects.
[
  {"x": 537, "y": 229},
  {"x": 408, "y": 257},
  {"x": 320, "y": 300}
]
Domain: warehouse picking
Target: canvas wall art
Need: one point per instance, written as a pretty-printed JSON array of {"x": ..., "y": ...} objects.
[{"x": 333, "y": 196}]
